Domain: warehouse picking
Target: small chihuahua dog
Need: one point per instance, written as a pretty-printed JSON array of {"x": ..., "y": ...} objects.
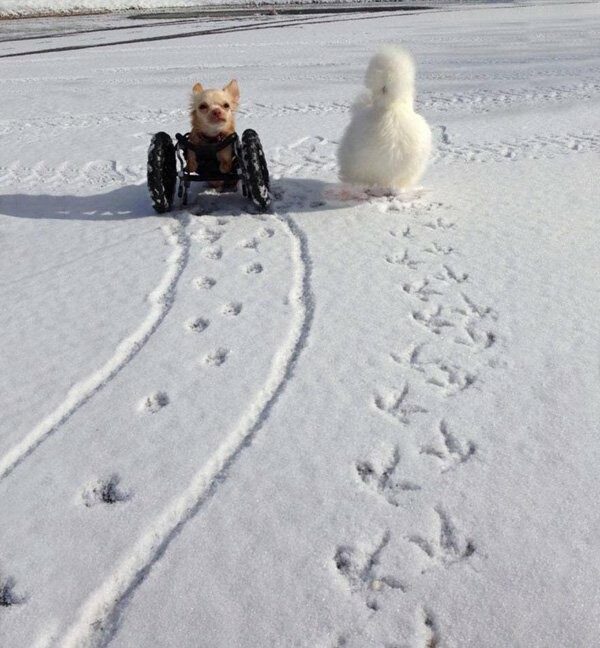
[{"x": 212, "y": 120}]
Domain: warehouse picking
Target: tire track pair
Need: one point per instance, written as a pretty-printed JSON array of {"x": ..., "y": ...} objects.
[{"x": 99, "y": 616}]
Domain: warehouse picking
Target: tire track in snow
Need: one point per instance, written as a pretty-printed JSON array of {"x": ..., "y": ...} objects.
[
  {"x": 100, "y": 616},
  {"x": 231, "y": 29},
  {"x": 161, "y": 300}
]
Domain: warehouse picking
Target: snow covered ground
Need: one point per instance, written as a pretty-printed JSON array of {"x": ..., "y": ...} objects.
[
  {"x": 342, "y": 424},
  {"x": 16, "y": 8}
]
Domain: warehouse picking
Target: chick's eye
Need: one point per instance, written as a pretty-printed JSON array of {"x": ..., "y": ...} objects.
[
  {"x": 202, "y": 106},
  {"x": 225, "y": 105}
]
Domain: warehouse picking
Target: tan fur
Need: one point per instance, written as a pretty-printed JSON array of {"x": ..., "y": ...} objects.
[{"x": 212, "y": 115}]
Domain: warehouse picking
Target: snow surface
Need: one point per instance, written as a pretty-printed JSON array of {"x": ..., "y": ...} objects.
[
  {"x": 16, "y": 8},
  {"x": 29, "y": 8},
  {"x": 13, "y": 8},
  {"x": 357, "y": 423}
]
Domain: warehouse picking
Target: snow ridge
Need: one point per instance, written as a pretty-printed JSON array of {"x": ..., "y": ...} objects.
[
  {"x": 100, "y": 616},
  {"x": 161, "y": 300}
]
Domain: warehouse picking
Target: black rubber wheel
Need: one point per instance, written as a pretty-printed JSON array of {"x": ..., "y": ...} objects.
[
  {"x": 162, "y": 172},
  {"x": 255, "y": 172}
]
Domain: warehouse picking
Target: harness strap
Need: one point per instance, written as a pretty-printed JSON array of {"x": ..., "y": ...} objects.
[{"x": 205, "y": 148}]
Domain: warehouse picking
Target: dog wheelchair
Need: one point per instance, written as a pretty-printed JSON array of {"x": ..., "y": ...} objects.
[{"x": 249, "y": 168}]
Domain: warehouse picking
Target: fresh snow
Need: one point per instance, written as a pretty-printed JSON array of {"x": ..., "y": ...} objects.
[
  {"x": 361, "y": 420},
  {"x": 13, "y": 8}
]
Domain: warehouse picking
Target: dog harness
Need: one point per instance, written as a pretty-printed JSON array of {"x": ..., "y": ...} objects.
[{"x": 206, "y": 152}]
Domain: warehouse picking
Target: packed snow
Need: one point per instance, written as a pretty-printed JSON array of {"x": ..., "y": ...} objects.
[{"x": 358, "y": 420}]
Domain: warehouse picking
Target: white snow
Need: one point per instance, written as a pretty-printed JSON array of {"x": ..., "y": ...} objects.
[
  {"x": 23, "y": 8},
  {"x": 369, "y": 422},
  {"x": 12, "y": 8}
]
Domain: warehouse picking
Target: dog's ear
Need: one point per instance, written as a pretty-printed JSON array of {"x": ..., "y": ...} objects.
[
  {"x": 233, "y": 90},
  {"x": 197, "y": 89}
]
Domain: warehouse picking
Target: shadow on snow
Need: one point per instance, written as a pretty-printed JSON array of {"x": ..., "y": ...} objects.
[{"x": 296, "y": 195}]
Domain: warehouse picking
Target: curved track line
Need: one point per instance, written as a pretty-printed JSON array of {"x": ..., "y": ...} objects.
[
  {"x": 161, "y": 300},
  {"x": 100, "y": 616},
  {"x": 263, "y": 24}
]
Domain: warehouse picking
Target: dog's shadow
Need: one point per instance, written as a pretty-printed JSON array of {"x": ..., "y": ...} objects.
[
  {"x": 133, "y": 201},
  {"x": 124, "y": 203}
]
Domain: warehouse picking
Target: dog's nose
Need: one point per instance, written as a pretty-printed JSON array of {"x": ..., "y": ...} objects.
[{"x": 216, "y": 112}]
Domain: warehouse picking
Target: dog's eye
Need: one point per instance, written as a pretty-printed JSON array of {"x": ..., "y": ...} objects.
[
  {"x": 203, "y": 106},
  {"x": 225, "y": 105}
]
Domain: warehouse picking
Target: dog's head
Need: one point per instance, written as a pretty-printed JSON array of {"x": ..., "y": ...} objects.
[{"x": 212, "y": 110}]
